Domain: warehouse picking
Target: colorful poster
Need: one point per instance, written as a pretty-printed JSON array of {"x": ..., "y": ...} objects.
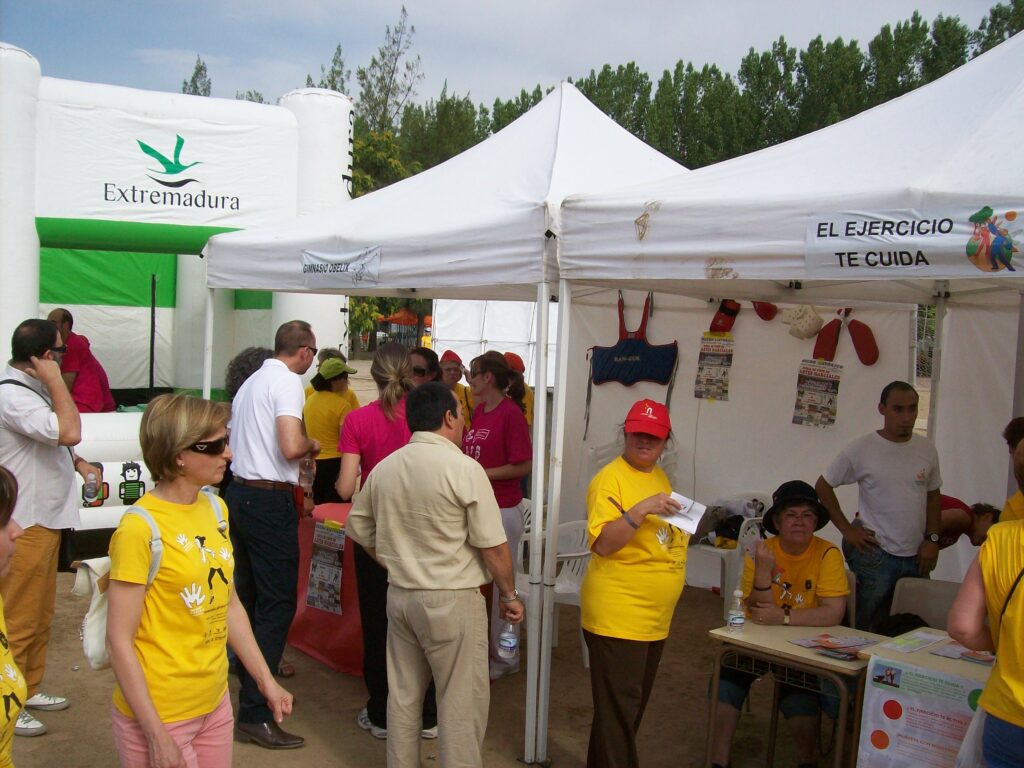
[
  {"x": 914, "y": 717},
  {"x": 817, "y": 393},
  {"x": 713, "y": 366},
  {"x": 324, "y": 589}
]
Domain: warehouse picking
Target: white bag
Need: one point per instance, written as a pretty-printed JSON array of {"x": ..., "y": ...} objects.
[
  {"x": 970, "y": 754},
  {"x": 93, "y": 578}
]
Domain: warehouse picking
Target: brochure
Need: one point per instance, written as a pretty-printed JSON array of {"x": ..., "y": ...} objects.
[
  {"x": 954, "y": 650},
  {"x": 689, "y": 516},
  {"x": 832, "y": 642},
  {"x": 914, "y": 641}
]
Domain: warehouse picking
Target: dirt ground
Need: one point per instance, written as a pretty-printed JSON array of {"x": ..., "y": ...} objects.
[{"x": 673, "y": 734}]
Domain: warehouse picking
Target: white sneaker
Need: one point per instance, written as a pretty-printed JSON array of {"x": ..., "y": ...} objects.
[
  {"x": 364, "y": 722},
  {"x": 47, "y": 703},
  {"x": 429, "y": 733},
  {"x": 28, "y": 725}
]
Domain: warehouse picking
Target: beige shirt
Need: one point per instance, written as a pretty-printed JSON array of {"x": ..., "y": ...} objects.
[{"x": 428, "y": 510}]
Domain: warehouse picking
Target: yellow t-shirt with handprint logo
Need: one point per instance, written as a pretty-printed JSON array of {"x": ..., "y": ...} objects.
[
  {"x": 13, "y": 692},
  {"x": 631, "y": 594},
  {"x": 180, "y": 642}
]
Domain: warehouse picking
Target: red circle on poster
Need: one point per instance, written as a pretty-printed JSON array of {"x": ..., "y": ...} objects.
[
  {"x": 892, "y": 709},
  {"x": 879, "y": 739}
]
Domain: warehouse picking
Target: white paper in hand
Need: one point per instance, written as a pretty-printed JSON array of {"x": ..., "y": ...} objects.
[{"x": 689, "y": 516}]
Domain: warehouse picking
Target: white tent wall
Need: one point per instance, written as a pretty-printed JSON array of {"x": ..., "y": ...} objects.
[
  {"x": 189, "y": 319},
  {"x": 473, "y": 327},
  {"x": 747, "y": 443}
]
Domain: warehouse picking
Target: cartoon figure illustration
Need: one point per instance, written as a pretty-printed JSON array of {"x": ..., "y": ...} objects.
[
  {"x": 132, "y": 489},
  {"x": 991, "y": 246},
  {"x": 214, "y": 567}
]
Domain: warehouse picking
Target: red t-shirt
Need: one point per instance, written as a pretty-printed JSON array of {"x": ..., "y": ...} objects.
[
  {"x": 91, "y": 390},
  {"x": 951, "y": 502},
  {"x": 500, "y": 437},
  {"x": 368, "y": 433}
]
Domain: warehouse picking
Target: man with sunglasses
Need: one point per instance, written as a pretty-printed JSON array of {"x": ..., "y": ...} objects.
[
  {"x": 39, "y": 425},
  {"x": 268, "y": 441}
]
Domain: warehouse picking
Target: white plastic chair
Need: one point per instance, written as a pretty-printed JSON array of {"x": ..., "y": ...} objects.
[
  {"x": 750, "y": 532},
  {"x": 930, "y": 599}
]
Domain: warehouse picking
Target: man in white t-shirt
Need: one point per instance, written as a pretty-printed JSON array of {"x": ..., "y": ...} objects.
[
  {"x": 268, "y": 442},
  {"x": 895, "y": 532}
]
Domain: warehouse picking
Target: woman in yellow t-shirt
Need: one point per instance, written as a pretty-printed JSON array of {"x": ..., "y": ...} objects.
[
  {"x": 167, "y": 640},
  {"x": 452, "y": 371},
  {"x": 993, "y": 587},
  {"x": 795, "y": 578},
  {"x": 632, "y": 584},
  {"x": 13, "y": 688},
  {"x": 323, "y": 414}
]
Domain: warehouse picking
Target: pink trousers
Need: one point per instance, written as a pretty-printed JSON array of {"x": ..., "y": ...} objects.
[{"x": 204, "y": 741}]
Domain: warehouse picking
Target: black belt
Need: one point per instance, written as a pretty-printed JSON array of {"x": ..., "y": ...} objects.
[{"x": 266, "y": 485}]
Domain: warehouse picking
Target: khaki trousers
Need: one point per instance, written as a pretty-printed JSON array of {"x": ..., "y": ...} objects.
[
  {"x": 29, "y": 590},
  {"x": 440, "y": 633}
]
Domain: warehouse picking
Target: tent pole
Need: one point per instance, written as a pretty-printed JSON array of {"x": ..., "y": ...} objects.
[
  {"x": 208, "y": 345},
  {"x": 554, "y": 501},
  {"x": 1018, "y": 384},
  {"x": 534, "y": 599},
  {"x": 941, "y": 294}
]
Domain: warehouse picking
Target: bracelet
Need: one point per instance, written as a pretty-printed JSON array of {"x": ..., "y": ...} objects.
[
  {"x": 630, "y": 520},
  {"x": 762, "y": 589},
  {"x": 513, "y": 599}
]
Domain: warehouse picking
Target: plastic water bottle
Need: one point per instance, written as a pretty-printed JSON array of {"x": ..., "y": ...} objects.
[
  {"x": 508, "y": 641},
  {"x": 306, "y": 475},
  {"x": 91, "y": 491},
  {"x": 737, "y": 617}
]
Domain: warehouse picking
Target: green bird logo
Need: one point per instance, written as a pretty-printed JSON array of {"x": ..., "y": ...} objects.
[{"x": 170, "y": 167}]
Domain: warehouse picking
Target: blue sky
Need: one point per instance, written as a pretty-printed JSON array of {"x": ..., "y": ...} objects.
[{"x": 483, "y": 49}]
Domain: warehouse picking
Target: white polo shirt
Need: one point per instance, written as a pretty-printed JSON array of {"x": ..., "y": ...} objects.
[
  {"x": 270, "y": 392},
  {"x": 47, "y": 491}
]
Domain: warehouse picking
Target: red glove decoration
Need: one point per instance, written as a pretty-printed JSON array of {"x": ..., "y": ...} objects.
[
  {"x": 863, "y": 342},
  {"x": 827, "y": 341},
  {"x": 725, "y": 316},
  {"x": 765, "y": 310}
]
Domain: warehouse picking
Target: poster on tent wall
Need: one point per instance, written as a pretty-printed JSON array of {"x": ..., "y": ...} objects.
[
  {"x": 133, "y": 156},
  {"x": 713, "y": 365},
  {"x": 948, "y": 242},
  {"x": 817, "y": 393},
  {"x": 914, "y": 716}
]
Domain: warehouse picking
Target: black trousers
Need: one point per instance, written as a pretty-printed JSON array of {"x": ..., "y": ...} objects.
[
  {"x": 264, "y": 533},
  {"x": 372, "y": 587},
  {"x": 324, "y": 491},
  {"x": 622, "y": 675}
]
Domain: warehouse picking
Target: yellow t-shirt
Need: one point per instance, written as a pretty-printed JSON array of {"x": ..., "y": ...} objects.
[
  {"x": 1013, "y": 509},
  {"x": 180, "y": 642},
  {"x": 631, "y": 594},
  {"x": 465, "y": 396},
  {"x": 528, "y": 405},
  {"x": 13, "y": 692},
  {"x": 323, "y": 414},
  {"x": 799, "y": 581},
  {"x": 1001, "y": 559}
]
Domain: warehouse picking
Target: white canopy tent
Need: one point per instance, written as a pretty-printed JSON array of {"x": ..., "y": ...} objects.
[
  {"x": 882, "y": 209},
  {"x": 478, "y": 226}
]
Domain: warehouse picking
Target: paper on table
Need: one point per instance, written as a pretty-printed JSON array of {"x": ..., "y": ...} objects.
[
  {"x": 913, "y": 641},
  {"x": 689, "y": 516}
]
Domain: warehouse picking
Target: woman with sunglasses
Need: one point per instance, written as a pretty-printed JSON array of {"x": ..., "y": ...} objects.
[
  {"x": 369, "y": 435},
  {"x": 13, "y": 687},
  {"x": 424, "y": 366},
  {"x": 167, "y": 639},
  {"x": 500, "y": 441}
]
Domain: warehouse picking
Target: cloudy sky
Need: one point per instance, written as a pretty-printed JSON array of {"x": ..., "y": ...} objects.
[{"x": 481, "y": 48}]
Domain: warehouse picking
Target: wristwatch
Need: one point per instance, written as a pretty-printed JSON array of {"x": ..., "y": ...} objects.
[
  {"x": 932, "y": 537},
  {"x": 785, "y": 618},
  {"x": 513, "y": 598}
]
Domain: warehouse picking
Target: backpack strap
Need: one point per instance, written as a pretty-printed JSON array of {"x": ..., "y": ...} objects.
[
  {"x": 156, "y": 544},
  {"x": 222, "y": 524},
  {"x": 1009, "y": 594}
]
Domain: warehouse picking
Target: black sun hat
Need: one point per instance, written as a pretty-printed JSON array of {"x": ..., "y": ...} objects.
[{"x": 794, "y": 492}]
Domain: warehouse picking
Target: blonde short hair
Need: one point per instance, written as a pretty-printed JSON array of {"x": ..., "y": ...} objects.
[{"x": 171, "y": 424}]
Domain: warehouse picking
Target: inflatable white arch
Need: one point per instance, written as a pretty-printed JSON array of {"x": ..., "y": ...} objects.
[{"x": 108, "y": 195}]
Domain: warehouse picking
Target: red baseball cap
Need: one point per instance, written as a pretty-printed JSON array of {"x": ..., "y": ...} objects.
[
  {"x": 649, "y": 417},
  {"x": 450, "y": 357},
  {"x": 515, "y": 362}
]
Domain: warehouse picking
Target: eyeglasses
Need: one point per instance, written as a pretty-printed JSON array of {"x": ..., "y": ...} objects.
[
  {"x": 61, "y": 349},
  {"x": 418, "y": 370},
  {"x": 210, "y": 447},
  {"x": 314, "y": 350}
]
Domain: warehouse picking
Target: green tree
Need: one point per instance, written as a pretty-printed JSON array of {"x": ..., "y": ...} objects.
[
  {"x": 336, "y": 78},
  {"x": 896, "y": 60},
  {"x": 250, "y": 95},
  {"x": 623, "y": 94},
  {"x": 949, "y": 47},
  {"x": 377, "y": 162},
  {"x": 712, "y": 126},
  {"x": 199, "y": 84},
  {"x": 1004, "y": 20},
  {"x": 390, "y": 79},
  {"x": 505, "y": 112},
  {"x": 664, "y": 116},
  {"x": 769, "y": 95},
  {"x": 830, "y": 83},
  {"x": 439, "y": 130}
]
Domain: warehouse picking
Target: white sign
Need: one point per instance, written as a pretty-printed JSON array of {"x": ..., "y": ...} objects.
[
  {"x": 344, "y": 270},
  {"x": 960, "y": 242}
]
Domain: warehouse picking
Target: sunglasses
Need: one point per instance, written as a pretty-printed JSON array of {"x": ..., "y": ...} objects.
[
  {"x": 61, "y": 349},
  {"x": 314, "y": 350},
  {"x": 418, "y": 370},
  {"x": 210, "y": 447}
]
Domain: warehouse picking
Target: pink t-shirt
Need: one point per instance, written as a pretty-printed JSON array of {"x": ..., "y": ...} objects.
[
  {"x": 500, "y": 437},
  {"x": 368, "y": 433},
  {"x": 91, "y": 390}
]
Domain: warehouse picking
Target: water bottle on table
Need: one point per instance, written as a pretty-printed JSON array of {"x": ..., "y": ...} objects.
[{"x": 737, "y": 617}]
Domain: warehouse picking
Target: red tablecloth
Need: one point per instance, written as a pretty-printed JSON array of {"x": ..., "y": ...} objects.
[{"x": 335, "y": 640}]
